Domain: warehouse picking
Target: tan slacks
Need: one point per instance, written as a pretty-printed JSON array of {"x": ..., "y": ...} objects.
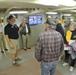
[
  {"x": 2, "y": 41},
  {"x": 26, "y": 40},
  {"x": 15, "y": 43}
]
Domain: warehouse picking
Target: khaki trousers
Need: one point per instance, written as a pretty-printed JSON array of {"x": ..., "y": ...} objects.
[
  {"x": 26, "y": 40},
  {"x": 15, "y": 43},
  {"x": 2, "y": 41}
]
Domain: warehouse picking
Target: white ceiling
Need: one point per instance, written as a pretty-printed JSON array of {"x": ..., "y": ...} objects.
[{"x": 7, "y": 5}]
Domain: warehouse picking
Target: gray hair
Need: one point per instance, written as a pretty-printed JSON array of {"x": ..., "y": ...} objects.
[
  {"x": 73, "y": 23},
  {"x": 53, "y": 27}
]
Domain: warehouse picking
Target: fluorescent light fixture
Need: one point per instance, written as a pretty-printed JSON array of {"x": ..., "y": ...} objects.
[
  {"x": 18, "y": 12},
  {"x": 73, "y": 10},
  {"x": 51, "y": 12},
  {"x": 67, "y": 14}
]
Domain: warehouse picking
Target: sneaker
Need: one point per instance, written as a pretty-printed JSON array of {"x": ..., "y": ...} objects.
[
  {"x": 16, "y": 64},
  {"x": 6, "y": 49},
  {"x": 28, "y": 48},
  {"x": 71, "y": 69},
  {"x": 18, "y": 59},
  {"x": 2, "y": 51},
  {"x": 65, "y": 64},
  {"x": 25, "y": 49}
]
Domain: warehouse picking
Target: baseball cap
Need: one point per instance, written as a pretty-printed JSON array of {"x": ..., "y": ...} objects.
[{"x": 51, "y": 23}]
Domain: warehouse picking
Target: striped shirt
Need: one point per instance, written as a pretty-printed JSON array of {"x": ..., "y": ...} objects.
[{"x": 49, "y": 46}]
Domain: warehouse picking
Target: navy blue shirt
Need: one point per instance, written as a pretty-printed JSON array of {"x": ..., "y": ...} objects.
[
  {"x": 11, "y": 31},
  {"x": 60, "y": 29}
]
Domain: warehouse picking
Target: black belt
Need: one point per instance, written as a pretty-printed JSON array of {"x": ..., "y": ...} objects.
[
  {"x": 50, "y": 60},
  {"x": 24, "y": 34}
]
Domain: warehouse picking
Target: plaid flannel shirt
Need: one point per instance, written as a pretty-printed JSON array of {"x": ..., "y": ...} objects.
[{"x": 49, "y": 46}]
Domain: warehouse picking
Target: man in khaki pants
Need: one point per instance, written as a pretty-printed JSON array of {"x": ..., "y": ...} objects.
[
  {"x": 25, "y": 32},
  {"x": 11, "y": 34},
  {"x": 2, "y": 39}
]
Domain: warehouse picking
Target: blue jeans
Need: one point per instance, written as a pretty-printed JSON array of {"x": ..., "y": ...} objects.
[{"x": 48, "y": 67}]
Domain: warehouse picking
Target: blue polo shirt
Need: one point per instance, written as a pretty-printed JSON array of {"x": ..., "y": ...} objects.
[{"x": 11, "y": 31}]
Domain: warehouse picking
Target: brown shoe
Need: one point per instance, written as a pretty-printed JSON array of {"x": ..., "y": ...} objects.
[
  {"x": 28, "y": 47},
  {"x": 18, "y": 59},
  {"x": 25, "y": 49},
  {"x": 16, "y": 64}
]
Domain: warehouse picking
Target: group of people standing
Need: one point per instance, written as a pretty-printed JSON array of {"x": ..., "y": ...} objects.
[{"x": 51, "y": 44}]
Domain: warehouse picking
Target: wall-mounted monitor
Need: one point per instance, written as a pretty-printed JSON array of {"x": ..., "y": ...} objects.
[{"x": 35, "y": 19}]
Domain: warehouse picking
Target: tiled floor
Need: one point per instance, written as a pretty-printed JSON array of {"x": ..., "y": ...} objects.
[{"x": 29, "y": 65}]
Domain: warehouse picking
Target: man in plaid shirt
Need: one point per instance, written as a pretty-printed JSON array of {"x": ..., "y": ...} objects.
[{"x": 48, "y": 48}]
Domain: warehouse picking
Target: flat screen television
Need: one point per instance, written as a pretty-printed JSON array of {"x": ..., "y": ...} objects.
[{"x": 35, "y": 19}]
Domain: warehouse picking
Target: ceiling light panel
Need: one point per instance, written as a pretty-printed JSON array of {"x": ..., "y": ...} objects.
[{"x": 18, "y": 12}]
